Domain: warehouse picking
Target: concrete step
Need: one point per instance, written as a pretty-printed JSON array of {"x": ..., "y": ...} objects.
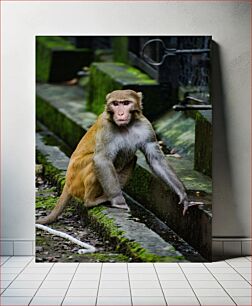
[
  {"x": 62, "y": 110},
  {"x": 133, "y": 238}
]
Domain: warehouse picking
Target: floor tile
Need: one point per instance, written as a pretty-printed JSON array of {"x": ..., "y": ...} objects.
[
  {"x": 51, "y": 292},
  {"x": 86, "y": 284},
  {"x": 118, "y": 269},
  {"x": 144, "y": 284},
  {"x": 201, "y": 277},
  {"x": 82, "y": 292},
  {"x": 114, "y": 292},
  {"x": 22, "y": 258},
  {"x": 33, "y": 264},
  {"x": 85, "y": 276},
  {"x": 19, "y": 292},
  {"x": 32, "y": 270},
  {"x": 220, "y": 270},
  {"x": 61, "y": 270},
  {"x": 243, "y": 300},
  {"x": 144, "y": 277},
  {"x": 242, "y": 270},
  {"x": 47, "y": 300},
  {"x": 14, "y": 264},
  {"x": 59, "y": 277},
  {"x": 15, "y": 300},
  {"x": 176, "y": 300},
  {"x": 89, "y": 268},
  {"x": 143, "y": 270},
  {"x": 191, "y": 264},
  {"x": 235, "y": 284},
  {"x": 79, "y": 300},
  {"x": 241, "y": 264},
  {"x": 210, "y": 292},
  {"x": 166, "y": 284},
  {"x": 217, "y": 264},
  {"x": 9, "y": 270},
  {"x": 143, "y": 300},
  {"x": 239, "y": 291},
  {"x": 178, "y": 292},
  {"x": 229, "y": 276},
  {"x": 117, "y": 301},
  {"x": 204, "y": 284},
  {"x": 220, "y": 300},
  {"x": 195, "y": 270},
  {"x": 114, "y": 284},
  {"x": 30, "y": 276},
  {"x": 146, "y": 292},
  {"x": 247, "y": 277},
  {"x": 161, "y": 270},
  {"x": 172, "y": 276},
  {"x": 114, "y": 277},
  {"x": 237, "y": 259},
  {"x": 8, "y": 276},
  {"x": 3, "y": 259},
  {"x": 5, "y": 283},
  {"x": 55, "y": 284},
  {"x": 25, "y": 284},
  {"x": 165, "y": 264}
]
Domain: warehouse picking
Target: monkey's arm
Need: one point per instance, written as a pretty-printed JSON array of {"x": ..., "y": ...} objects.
[
  {"x": 108, "y": 178},
  {"x": 160, "y": 167}
]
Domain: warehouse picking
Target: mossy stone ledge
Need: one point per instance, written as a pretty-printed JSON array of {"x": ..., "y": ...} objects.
[
  {"x": 203, "y": 142},
  {"x": 106, "y": 77},
  {"x": 58, "y": 60}
]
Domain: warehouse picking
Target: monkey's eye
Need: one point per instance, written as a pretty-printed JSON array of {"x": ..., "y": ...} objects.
[
  {"x": 126, "y": 102},
  {"x": 115, "y": 103}
]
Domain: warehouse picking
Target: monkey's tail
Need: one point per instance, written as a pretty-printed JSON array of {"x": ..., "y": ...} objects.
[{"x": 58, "y": 209}]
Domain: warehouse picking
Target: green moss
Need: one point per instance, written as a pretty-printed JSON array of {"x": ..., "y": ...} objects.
[
  {"x": 140, "y": 183},
  {"x": 45, "y": 45},
  {"x": 55, "y": 42},
  {"x": 57, "y": 122},
  {"x": 99, "y": 257},
  {"x": 50, "y": 172},
  {"x": 109, "y": 230},
  {"x": 106, "y": 77},
  {"x": 120, "y": 49},
  {"x": 52, "y": 52},
  {"x": 46, "y": 202}
]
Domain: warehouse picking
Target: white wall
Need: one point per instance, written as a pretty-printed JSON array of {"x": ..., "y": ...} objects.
[{"x": 229, "y": 25}]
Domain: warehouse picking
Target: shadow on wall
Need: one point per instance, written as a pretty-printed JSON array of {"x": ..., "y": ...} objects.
[{"x": 225, "y": 215}]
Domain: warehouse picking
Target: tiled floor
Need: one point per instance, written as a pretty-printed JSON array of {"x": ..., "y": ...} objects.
[{"x": 24, "y": 282}]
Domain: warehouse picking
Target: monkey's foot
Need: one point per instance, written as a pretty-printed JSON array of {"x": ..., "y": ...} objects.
[{"x": 45, "y": 220}]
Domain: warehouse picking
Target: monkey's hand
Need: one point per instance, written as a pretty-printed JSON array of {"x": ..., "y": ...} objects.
[
  {"x": 186, "y": 203},
  {"x": 119, "y": 202}
]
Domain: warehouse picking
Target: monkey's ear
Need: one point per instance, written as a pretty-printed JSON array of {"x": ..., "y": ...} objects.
[
  {"x": 140, "y": 95},
  {"x": 107, "y": 96}
]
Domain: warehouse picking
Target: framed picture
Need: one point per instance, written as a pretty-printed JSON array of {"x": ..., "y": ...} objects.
[{"x": 123, "y": 148}]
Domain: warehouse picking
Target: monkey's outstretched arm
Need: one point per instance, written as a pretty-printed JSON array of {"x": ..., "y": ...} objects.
[{"x": 158, "y": 164}]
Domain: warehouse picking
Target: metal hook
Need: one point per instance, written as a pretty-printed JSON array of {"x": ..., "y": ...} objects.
[{"x": 167, "y": 51}]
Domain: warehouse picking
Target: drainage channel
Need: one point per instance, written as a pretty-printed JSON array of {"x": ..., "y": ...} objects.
[{"x": 55, "y": 249}]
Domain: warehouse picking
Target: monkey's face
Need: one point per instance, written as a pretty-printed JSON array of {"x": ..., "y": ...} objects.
[{"x": 122, "y": 105}]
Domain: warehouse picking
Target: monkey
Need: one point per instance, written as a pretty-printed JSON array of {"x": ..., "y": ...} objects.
[{"x": 105, "y": 157}]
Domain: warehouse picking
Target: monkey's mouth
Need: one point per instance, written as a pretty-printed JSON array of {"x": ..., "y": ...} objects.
[{"x": 122, "y": 121}]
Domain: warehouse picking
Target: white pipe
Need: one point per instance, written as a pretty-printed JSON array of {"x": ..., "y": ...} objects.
[{"x": 88, "y": 248}]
